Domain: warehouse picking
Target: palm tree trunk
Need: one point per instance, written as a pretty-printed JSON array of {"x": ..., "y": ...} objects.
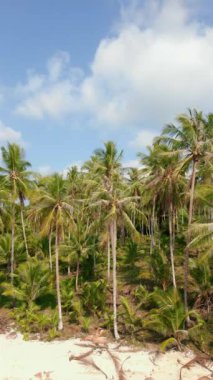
[
  {"x": 77, "y": 274},
  {"x": 113, "y": 234},
  {"x": 152, "y": 228},
  {"x": 186, "y": 258},
  {"x": 108, "y": 259},
  {"x": 24, "y": 231},
  {"x": 171, "y": 243},
  {"x": 60, "y": 321},
  {"x": 50, "y": 250},
  {"x": 192, "y": 191},
  {"x": 12, "y": 250},
  {"x": 68, "y": 268},
  {"x": 176, "y": 221}
]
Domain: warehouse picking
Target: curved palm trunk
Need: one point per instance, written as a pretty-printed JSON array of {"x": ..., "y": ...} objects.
[
  {"x": 60, "y": 321},
  {"x": 24, "y": 231},
  {"x": 186, "y": 258},
  {"x": 171, "y": 243},
  {"x": 113, "y": 235}
]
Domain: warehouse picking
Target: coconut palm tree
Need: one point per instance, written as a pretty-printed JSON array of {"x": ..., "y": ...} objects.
[
  {"x": 165, "y": 185},
  {"x": 17, "y": 180},
  {"x": 192, "y": 139},
  {"x": 135, "y": 185},
  {"x": 109, "y": 195},
  {"x": 105, "y": 169},
  {"x": 52, "y": 206},
  {"x": 115, "y": 206},
  {"x": 150, "y": 168},
  {"x": 81, "y": 241}
]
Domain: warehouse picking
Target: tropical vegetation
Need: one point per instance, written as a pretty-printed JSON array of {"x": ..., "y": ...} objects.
[{"x": 125, "y": 249}]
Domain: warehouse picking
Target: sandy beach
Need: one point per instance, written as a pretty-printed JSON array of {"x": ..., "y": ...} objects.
[{"x": 30, "y": 360}]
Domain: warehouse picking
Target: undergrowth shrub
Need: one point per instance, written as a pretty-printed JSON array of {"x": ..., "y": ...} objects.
[
  {"x": 32, "y": 320},
  {"x": 94, "y": 296},
  {"x": 168, "y": 318}
]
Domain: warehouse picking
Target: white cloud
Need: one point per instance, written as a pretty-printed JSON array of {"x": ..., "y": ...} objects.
[
  {"x": 8, "y": 134},
  {"x": 53, "y": 101},
  {"x": 51, "y": 94},
  {"x": 57, "y": 65},
  {"x": 143, "y": 139},
  {"x": 131, "y": 164},
  {"x": 148, "y": 74},
  {"x": 158, "y": 63},
  {"x": 78, "y": 164},
  {"x": 44, "y": 170}
]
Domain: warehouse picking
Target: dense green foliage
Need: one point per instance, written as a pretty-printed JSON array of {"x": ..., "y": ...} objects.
[{"x": 126, "y": 249}]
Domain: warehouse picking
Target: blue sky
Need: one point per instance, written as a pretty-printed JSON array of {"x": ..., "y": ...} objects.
[{"x": 74, "y": 74}]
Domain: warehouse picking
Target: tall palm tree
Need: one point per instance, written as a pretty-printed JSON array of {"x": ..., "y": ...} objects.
[
  {"x": 111, "y": 197},
  {"x": 135, "y": 185},
  {"x": 165, "y": 185},
  {"x": 53, "y": 207},
  {"x": 150, "y": 168},
  {"x": 192, "y": 139},
  {"x": 115, "y": 206},
  {"x": 82, "y": 239},
  {"x": 17, "y": 180},
  {"x": 105, "y": 169}
]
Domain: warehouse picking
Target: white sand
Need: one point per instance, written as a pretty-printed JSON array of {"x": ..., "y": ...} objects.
[{"x": 31, "y": 360}]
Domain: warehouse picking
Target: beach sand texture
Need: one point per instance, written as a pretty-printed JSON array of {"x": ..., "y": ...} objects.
[{"x": 31, "y": 360}]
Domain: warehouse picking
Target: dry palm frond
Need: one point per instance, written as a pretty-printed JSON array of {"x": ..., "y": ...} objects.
[
  {"x": 118, "y": 367},
  {"x": 82, "y": 356},
  {"x": 201, "y": 235},
  {"x": 87, "y": 360},
  {"x": 154, "y": 355},
  {"x": 86, "y": 345},
  {"x": 203, "y": 360}
]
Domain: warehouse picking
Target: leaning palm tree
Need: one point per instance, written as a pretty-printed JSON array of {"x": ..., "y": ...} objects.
[
  {"x": 17, "y": 180},
  {"x": 52, "y": 207}
]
